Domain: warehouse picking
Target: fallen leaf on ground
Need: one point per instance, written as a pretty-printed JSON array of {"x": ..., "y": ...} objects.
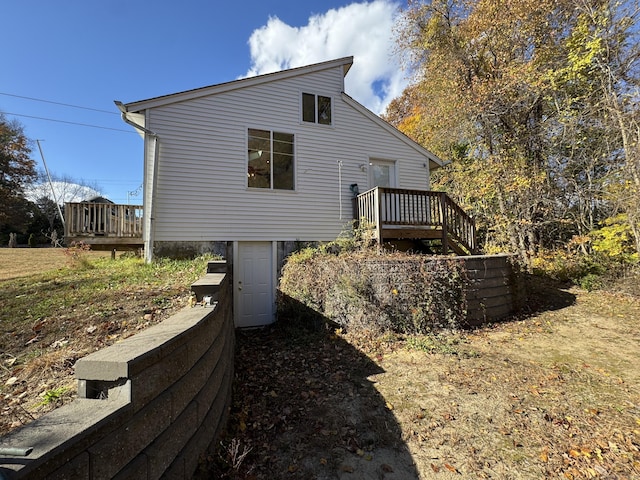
[
  {"x": 544, "y": 455},
  {"x": 451, "y": 468}
]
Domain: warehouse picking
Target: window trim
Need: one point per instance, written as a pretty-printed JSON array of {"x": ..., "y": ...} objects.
[
  {"x": 315, "y": 112},
  {"x": 294, "y": 155},
  {"x": 384, "y": 162}
]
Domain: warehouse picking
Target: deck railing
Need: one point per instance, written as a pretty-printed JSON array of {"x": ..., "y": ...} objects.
[
  {"x": 87, "y": 219},
  {"x": 397, "y": 208}
]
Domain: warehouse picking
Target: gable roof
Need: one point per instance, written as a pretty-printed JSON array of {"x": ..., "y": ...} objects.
[
  {"x": 344, "y": 62},
  {"x": 140, "y": 105}
]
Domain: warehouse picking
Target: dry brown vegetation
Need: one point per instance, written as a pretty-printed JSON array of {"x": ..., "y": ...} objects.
[
  {"x": 554, "y": 395},
  {"x": 58, "y": 305},
  {"x": 22, "y": 262}
]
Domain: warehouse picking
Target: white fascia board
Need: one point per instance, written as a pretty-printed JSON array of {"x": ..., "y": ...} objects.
[{"x": 435, "y": 162}]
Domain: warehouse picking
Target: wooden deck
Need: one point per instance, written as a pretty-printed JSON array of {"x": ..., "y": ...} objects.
[
  {"x": 103, "y": 225},
  {"x": 417, "y": 215}
]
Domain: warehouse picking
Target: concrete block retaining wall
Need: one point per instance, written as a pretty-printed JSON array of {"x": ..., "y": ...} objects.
[
  {"x": 493, "y": 288},
  {"x": 148, "y": 406},
  {"x": 496, "y": 288}
]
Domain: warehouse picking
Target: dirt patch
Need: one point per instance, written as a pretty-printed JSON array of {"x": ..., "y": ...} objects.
[
  {"x": 306, "y": 408},
  {"x": 555, "y": 395}
]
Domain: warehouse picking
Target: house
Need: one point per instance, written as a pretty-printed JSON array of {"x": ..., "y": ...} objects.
[{"x": 250, "y": 167}]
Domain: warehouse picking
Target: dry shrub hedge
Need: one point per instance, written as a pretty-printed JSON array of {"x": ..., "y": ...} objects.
[{"x": 372, "y": 290}]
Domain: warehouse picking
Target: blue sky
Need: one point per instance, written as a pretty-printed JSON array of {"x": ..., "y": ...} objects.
[{"x": 88, "y": 54}]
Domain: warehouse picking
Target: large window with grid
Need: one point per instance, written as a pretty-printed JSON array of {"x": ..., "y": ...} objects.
[{"x": 270, "y": 161}]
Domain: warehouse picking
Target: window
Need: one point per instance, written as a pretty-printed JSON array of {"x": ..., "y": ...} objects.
[
  {"x": 316, "y": 109},
  {"x": 270, "y": 160}
]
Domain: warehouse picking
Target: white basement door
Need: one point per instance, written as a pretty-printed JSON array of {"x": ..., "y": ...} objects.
[{"x": 255, "y": 305}]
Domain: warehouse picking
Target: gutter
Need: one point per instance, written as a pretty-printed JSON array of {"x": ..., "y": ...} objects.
[
  {"x": 123, "y": 114},
  {"x": 148, "y": 250}
]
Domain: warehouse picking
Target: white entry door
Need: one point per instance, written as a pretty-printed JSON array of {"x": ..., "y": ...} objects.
[
  {"x": 254, "y": 292},
  {"x": 382, "y": 174}
]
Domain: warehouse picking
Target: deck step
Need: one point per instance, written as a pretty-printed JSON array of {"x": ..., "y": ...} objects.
[{"x": 209, "y": 284}]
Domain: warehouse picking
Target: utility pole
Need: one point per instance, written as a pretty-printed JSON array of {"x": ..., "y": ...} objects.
[{"x": 53, "y": 192}]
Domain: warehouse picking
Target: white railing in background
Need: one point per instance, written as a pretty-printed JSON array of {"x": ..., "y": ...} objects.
[{"x": 103, "y": 219}]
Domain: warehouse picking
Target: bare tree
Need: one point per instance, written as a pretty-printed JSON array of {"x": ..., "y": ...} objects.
[{"x": 67, "y": 188}]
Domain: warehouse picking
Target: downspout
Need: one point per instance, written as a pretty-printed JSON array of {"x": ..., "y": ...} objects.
[
  {"x": 148, "y": 250},
  {"x": 340, "y": 186}
]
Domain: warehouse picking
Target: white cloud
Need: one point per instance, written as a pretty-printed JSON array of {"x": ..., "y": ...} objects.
[{"x": 363, "y": 30}]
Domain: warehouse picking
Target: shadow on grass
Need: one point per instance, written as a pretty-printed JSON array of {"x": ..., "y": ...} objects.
[
  {"x": 304, "y": 407},
  {"x": 546, "y": 294}
]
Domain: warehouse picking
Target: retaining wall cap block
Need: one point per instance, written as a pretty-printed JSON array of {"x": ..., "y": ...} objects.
[
  {"x": 210, "y": 279},
  {"x": 217, "y": 266},
  {"x": 52, "y": 433},
  {"x": 132, "y": 355}
]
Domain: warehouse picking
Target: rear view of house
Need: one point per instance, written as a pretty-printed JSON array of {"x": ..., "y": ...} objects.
[{"x": 250, "y": 167}]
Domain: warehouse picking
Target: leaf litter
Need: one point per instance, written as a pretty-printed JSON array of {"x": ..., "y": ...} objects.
[
  {"x": 554, "y": 395},
  {"x": 551, "y": 395}
]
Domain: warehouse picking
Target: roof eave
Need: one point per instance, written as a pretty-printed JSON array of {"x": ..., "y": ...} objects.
[{"x": 137, "y": 106}]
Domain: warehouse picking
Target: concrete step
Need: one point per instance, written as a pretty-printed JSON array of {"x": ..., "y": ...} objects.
[
  {"x": 217, "y": 266},
  {"x": 207, "y": 285}
]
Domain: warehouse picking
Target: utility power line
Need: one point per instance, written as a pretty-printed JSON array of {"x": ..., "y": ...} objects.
[
  {"x": 59, "y": 103},
  {"x": 70, "y": 123}
]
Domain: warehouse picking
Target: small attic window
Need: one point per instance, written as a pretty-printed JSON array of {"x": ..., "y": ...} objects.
[{"x": 316, "y": 109}]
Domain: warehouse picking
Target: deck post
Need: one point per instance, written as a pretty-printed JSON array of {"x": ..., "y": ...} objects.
[
  {"x": 378, "y": 208},
  {"x": 443, "y": 208}
]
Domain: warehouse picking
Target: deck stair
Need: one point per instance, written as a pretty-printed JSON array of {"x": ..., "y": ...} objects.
[
  {"x": 209, "y": 284},
  {"x": 432, "y": 218}
]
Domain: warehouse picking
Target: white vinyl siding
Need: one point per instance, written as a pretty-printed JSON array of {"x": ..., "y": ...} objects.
[{"x": 201, "y": 188}]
